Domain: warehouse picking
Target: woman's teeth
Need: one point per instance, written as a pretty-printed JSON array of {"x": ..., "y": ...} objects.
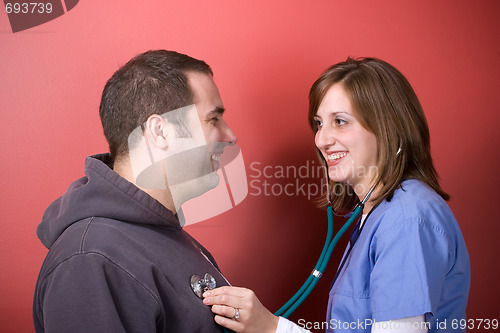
[
  {"x": 336, "y": 156},
  {"x": 216, "y": 158}
]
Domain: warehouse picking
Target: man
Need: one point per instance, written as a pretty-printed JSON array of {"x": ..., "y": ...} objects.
[{"x": 119, "y": 260}]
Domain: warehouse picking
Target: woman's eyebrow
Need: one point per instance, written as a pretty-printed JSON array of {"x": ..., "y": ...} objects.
[{"x": 334, "y": 113}]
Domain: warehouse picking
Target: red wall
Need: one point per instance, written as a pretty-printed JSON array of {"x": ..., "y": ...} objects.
[{"x": 265, "y": 55}]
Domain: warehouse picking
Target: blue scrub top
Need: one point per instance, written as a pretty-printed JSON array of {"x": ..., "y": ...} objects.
[{"x": 410, "y": 259}]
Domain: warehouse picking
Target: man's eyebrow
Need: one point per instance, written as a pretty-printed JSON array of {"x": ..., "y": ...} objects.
[{"x": 216, "y": 112}]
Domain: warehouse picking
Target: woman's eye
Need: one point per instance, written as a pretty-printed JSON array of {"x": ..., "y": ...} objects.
[
  {"x": 340, "y": 121},
  {"x": 317, "y": 123}
]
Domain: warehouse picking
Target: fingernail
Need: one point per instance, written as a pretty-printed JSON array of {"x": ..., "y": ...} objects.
[
  {"x": 206, "y": 294},
  {"x": 206, "y": 301}
]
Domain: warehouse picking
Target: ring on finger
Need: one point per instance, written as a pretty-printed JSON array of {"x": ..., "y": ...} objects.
[{"x": 236, "y": 314}]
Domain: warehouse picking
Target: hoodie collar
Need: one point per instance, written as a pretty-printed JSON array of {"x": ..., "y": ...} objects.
[{"x": 102, "y": 193}]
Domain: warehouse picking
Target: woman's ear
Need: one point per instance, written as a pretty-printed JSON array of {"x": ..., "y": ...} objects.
[{"x": 156, "y": 131}]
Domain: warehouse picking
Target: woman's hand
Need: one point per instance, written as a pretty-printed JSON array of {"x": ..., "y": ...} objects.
[{"x": 253, "y": 316}]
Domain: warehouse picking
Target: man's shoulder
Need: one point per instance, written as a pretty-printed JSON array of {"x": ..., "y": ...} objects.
[{"x": 97, "y": 235}]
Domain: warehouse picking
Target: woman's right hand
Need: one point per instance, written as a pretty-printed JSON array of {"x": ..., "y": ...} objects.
[{"x": 253, "y": 316}]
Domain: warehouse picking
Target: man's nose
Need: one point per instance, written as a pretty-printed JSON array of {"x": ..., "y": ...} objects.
[{"x": 228, "y": 134}]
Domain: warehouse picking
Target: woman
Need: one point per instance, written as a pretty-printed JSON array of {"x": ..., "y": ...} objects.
[{"x": 408, "y": 270}]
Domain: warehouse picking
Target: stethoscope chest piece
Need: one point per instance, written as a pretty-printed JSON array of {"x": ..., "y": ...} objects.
[{"x": 200, "y": 285}]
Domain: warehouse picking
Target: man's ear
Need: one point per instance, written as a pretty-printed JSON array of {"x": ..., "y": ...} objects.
[{"x": 156, "y": 131}]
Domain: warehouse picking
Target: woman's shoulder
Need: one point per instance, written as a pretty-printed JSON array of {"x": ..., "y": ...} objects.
[
  {"x": 413, "y": 188},
  {"x": 414, "y": 194},
  {"x": 416, "y": 202}
]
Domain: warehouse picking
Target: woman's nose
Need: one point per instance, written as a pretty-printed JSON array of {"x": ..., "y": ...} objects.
[{"x": 324, "y": 138}]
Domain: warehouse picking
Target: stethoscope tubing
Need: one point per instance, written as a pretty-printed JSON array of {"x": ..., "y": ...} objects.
[
  {"x": 293, "y": 303},
  {"x": 286, "y": 310},
  {"x": 311, "y": 277}
]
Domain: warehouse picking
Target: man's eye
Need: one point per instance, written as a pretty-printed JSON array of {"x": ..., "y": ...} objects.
[{"x": 214, "y": 120}]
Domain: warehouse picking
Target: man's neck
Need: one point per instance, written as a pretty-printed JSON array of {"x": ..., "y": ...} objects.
[{"x": 123, "y": 168}]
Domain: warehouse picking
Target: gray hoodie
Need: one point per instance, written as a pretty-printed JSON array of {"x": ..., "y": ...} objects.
[{"x": 118, "y": 261}]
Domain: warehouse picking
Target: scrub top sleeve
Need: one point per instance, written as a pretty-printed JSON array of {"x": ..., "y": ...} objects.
[
  {"x": 286, "y": 326},
  {"x": 410, "y": 262},
  {"x": 415, "y": 324}
]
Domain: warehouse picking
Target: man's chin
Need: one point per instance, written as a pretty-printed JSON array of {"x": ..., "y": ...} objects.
[{"x": 193, "y": 188}]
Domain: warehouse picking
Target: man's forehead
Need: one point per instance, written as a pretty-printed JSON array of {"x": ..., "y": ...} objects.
[
  {"x": 204, "y": 90},
  {"x": 199, "y": 81}
]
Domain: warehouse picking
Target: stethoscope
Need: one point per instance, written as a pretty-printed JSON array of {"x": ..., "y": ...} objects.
[
  {"x": 299, "y": 297},
  {"x": 199, "y": 285}
]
